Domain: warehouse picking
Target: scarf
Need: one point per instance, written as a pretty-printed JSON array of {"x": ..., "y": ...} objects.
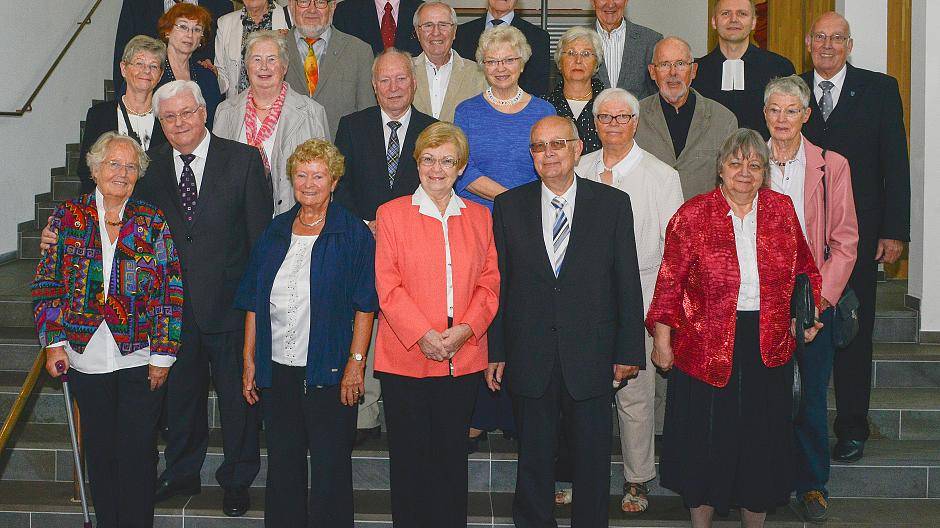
[{"x": 257, "y": 136}]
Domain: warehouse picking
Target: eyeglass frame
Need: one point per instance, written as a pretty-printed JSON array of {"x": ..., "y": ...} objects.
[
  {"x": 614, "y": 118},
  {"x": 141, "y": 65},
  {"x": 428, "y": 27},
  {"x": 583, "y": 54},
  {"x": 508, "y": 62},
  {"x": 679, "y": 65},
  {"x": 185, "y": 115},
  {"x": 541, "y": 146},
  {"x": 427, "y": 160},
  {"x": 129, "y": 168},
  {"x": 822, "y": 38},
  {"x": 195, "y": 30},
  {"x": 319, "y": 4}
]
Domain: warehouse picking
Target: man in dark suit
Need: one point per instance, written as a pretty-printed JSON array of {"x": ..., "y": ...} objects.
[
  {"x": 535, "y": 76},
  {"x": 628, "y": 49},
  {"x": 858, "y": 114},
  {"x": 569, "y": 325},
  {"x": 393, "y": 28},
  {"x": 378, "y": 144}
]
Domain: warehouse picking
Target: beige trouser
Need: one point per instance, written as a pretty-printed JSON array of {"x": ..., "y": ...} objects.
[{"x": 369, "y": 408}]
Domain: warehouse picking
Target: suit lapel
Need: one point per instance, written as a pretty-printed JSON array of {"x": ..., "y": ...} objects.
[
  {"x": 699, "y": 126},
  {"x": 372, "y": 23},
  {"x": 848, "y": 97},
  {"x": 328, "y": 60},
  {"x": 165, "y": 172},
  {"x": 286, "y": 126},
  {"x": 579, "y": 225},
  {"x": 627, "y": 62},
  {"x": 423, "y": 94},
  {"x": 212, "y": 173},
  {"x": 815, "y": 170},
  {"x": 532, "y": 232},
  {"x": 375, "y": 135},
  {"x": 295, "y": 71},
  {"x": 411, "y": 135},
  {"x": 657, "y": 122}
]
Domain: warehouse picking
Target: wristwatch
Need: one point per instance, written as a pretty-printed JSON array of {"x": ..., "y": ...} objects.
[{"x": 357, "y": 356}]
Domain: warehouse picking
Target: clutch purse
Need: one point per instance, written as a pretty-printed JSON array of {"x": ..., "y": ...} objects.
[
  {"x": 845, "y": 319},
  {"x": 803, "y": 310}
]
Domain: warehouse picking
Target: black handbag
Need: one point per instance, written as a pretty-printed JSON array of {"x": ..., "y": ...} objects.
[
  {"x": 844, "y": 326},
  {"x": 803, "y": 310}
]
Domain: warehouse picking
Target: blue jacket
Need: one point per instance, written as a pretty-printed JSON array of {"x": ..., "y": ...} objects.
[{"x": 342, "y": 281}]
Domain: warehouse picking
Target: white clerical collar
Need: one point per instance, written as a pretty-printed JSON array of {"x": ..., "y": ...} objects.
[{"x": 732, "y": 75}]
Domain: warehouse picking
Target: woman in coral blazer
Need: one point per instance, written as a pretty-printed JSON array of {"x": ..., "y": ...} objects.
[{"x": 438, "y": 284}]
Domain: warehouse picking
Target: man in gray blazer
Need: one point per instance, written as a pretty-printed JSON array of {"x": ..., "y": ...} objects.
[
  {"x": 628, "y": 49},
  {"x": 344, "y": 63},
  {"x": 445, "y": 79},
  {"x": 680, "y": 126}
]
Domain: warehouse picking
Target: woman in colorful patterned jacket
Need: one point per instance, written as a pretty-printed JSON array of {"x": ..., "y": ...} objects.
[{"x": 118, "y": 335}]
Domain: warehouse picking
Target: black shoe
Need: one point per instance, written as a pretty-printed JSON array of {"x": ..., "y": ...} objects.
[
  {"x": 367, "y": 434},
  {"x": 235, "y": 502},
  {"x": 166, "y": 489},
  {"x": 473, "y": 444},
  {"x": 848, "y": 450}
]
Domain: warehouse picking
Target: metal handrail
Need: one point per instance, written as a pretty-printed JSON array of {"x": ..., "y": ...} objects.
[
  {"x": 21, "y": 398},
  {"x": 28, "y": 105}
]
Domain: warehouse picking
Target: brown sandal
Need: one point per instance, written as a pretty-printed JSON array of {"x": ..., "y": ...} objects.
[{"x": 635, "y": 498}]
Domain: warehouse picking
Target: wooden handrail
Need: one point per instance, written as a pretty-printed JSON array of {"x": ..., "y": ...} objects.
[
  {"x": 28, "y": 105},
  {"x": 27, "y": 389}
]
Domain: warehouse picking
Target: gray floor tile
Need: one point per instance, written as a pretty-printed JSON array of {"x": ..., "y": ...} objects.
[
  {"x": 920, "y": 425},
  {"x": 907, "y": 374},
  {"x": 20, "y": 464},
  {"x": 14, "y": 520},
  {"x": 883, "y": 482}
]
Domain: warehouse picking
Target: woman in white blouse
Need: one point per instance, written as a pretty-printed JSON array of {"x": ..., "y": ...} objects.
[
  {"x": 270, "y": 115},
  {"x": 231, "y": 41}
]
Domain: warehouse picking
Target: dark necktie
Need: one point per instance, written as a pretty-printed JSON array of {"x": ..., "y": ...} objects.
[
  {"x": 394, "y": 152},
  {"x": 188, "y": 191},
  {"x": 497, "y": 21},
  {"x": 388, "y": 27},
  {"x": 825, "y": 102}
]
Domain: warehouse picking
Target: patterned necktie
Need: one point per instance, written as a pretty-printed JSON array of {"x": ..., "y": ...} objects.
[
  {"x": 188, "y": 191},
  {"x": 310, "y": 66},
  {"x": 497, "y": 21},
  {"x": 388, "y": 27},
  {"x": 825, "y": 103},
  {"x": 560, "y": 232},
  {"x": 394, "y": 152}
]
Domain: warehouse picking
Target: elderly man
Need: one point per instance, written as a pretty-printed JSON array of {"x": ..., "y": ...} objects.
[
  {"x": 569, "y": 323},
  {"x": 736, "y": 71},
  {"x": 655, "y": 194},
  {"x": 330, "y": 66},
  {"x": 678, "y": 125},
  {"x": 378, "y": 143},
  {"x": 628, "y": 48},
  {"x": 858, "y": 114},
  {"x": 445, "y": 79},
  {"x": 390, "y": 27},
  {"x": 534, "y": 79}
]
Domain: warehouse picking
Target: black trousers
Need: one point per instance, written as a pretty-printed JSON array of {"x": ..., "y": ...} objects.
[
  {"x": 298, "y": 422},
  {"x": 427, "y": 421},
  {"x": 851, "y": 372},
  {"x": 187, "y": 413},
  {"x": 119, "y": 431},
  {"x": 588, "y": 426}
]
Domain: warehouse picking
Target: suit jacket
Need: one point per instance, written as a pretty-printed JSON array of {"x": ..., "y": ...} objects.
[
  {"x": 232, "y": 210},
  {"x": 301, "y": 119},
  {"x": 345, "y": 83},
  {"x": 361, "y": 139},
  {"x": 867, "y": 127},
  {"x": 697, "y": 288},
  {"x": 411, "y": 282},
  {"x": 102, "y": 118},
  {"x": 145, "y": 299},
  {"x": 535, "y": 76},
  {"x": 359, "y": 19},
  {"x": 588, "y": 318},
  {"x": 228, "y": 47},
  {"x": 711, "y": 125},
  {"x": 637, "y": 54},
  {"x": 466, "y": 81}
]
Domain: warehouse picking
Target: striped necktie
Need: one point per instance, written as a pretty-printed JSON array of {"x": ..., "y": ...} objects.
[
  {"x": 560, "y": 231},
  {"x": 393, "y": 154}
]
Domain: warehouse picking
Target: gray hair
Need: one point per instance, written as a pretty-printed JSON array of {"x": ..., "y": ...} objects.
[
  {"x": 680, "y": 40},
  {"x": 96, "y": 153},
  {"x": 792, "y": 85},
  {"x": 581, "y": 33},
  {"x": 417, "y": 17},
  {"x": 503, "y": 34},
  {"x": 174, "y": 88},
  {"x": 616, "y": 94},
  {"x": 144, "y": 44},
  {"x": 405, "y": 56},
  {"x": 270, "y": 36},
  {"x": 747, "y": 143}
]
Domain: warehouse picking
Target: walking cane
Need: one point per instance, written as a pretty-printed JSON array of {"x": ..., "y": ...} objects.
[{"x": 60, "y": 366}]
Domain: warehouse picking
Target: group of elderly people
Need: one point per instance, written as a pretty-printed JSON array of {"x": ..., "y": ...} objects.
[{"x": 535, "y": 239}]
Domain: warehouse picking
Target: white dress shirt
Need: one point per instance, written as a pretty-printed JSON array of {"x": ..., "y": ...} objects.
[
  {"x": 838, "y": 80},
  {"x": 268, "y": 144},
  {"x": 290, "y": 304},
  {"x": 380, "y": 10},
  {"x": 613, "y": 49},
  {"x": 438, "y": 79},
  {"x": 548, "y": 217},
  {"x": 198, "y": 165},
  {"x": 427, "y": 207},
  {"x": 507, "y": 19},
  {"x": 790, "y": 180},
  {"x": 745, "y": 242},
  {"x": 142, "y": 125},
  {"x": 318, "y": 47},
  {"x": 402, "y": 130}
]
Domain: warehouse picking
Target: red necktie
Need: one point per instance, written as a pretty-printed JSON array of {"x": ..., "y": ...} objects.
[{"x": 388, "y": 27}]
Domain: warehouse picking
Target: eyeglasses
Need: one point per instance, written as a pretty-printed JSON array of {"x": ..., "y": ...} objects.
[
  {"x": 837, "y": 39},
  {"x": 429, "y": 161},
  {"x": 443, "y": 27},
  {"x": 789, "y": 113},
  {"x": 153, "y": 67},
  {"x": 269, "y": 61},
  {"x": 130, "y": 169},
  {"x": 509, "y": 62},
  {"x": 679, "y": 65},
  {"x": 185, "y": 115},
  {"x": 622, "y": 119},
  {"x": 320, "y": 4},
  {"x": 574, "y": 54},
  {"x": 195, "y": 30},
  {"x": 555, "y": 144}
]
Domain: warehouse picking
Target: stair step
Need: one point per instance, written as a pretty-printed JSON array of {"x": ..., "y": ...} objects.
[
  {"x": 28, "y": 245},
  {"x": 65, "y": 189}
]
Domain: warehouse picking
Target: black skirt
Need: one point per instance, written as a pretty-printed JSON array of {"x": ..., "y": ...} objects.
[{"x": 731, "y": 446}]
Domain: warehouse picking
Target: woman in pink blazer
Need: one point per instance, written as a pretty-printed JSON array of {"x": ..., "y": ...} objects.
[
  {"x": 438, "y": 284},
  {"x": 820, "y": 186}
]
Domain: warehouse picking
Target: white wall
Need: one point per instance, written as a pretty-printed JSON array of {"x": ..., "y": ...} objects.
[
  {"x": 869, "y": 22},
  {"x": 31, "y": 35}
]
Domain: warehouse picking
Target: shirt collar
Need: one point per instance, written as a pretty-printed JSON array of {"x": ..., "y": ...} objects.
[
  {"x": 324, "y": 37},
  {"x": 548, "y": 195},
  {"x": 380, "y": 4},
  {"x": 623, "y": 165},
  {"x": 404, "y": 119},
  {"x": 201, "y": 150},
  {"x": 99, "y": 204},
  {"x": 427, "y": 207},
  {"x": 429, "y": 64},
  {"x": 507, "y": 18},
  {"x": 837, "y": 79},
  {"x": 753, "y": 205},
  {"x": 622, "y": 28}
]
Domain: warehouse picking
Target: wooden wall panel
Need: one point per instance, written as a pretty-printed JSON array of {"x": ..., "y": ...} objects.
[{"x": 899, "y": 67}]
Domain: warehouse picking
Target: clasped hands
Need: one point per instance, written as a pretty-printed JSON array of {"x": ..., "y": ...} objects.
[{"x": 441, "y": 346}]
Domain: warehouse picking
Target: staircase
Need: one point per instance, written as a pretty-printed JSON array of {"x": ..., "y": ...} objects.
[{"x": 896, "y": 484}]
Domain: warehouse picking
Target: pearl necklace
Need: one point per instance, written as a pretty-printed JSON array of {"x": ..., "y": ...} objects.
[
  {"x": 133, "y": 113},
  {"x": 314, "y": 224},
  {"x": 504, "y": 102}
]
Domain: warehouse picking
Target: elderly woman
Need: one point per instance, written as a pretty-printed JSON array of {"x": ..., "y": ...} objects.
[
  {"x": 309, "y": 294},
  {"x": 108, "y": 300},
  {"x": 656, "y": 194},
  {"x": 131, "y": 114},
  {"x": 721, "y": 315},
  {"x": 184, "y": 28},
  {"x": 231, "y": 41},
  {"x": 820, "y": 186},
  {"x": 269, "y": 115},
  {"x": 578, "y": 56},
  {"x": 438, "y": 285},
  {"x": 497, "y": 123}
]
